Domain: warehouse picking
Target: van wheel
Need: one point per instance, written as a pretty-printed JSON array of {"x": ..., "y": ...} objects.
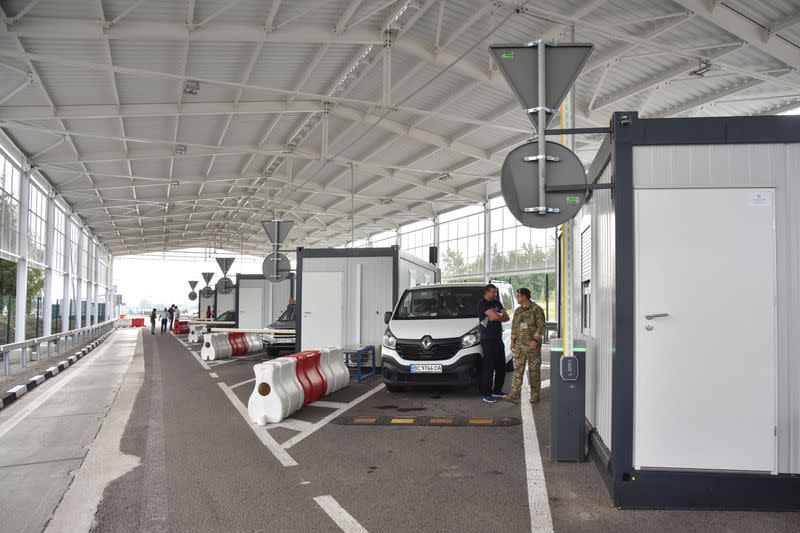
[{"x": 394, "y": 388}]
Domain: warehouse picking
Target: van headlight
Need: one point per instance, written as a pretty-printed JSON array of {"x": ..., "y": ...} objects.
[
  {"x": 471, "y": 338},
  {"x": 389, "y": 340}
]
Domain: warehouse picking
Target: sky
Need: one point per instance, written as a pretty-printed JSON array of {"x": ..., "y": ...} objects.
[{"x": 164, "y": 278}]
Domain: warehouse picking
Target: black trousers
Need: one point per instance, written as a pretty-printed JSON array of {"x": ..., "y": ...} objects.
[
  {"x": 493, "y": 367},
  {"x": 163, "y": 325}
]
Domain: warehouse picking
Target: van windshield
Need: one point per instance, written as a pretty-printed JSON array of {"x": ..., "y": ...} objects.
[
  {"x": 443, "y": 302},
  {"x": 288, "y": 314}
]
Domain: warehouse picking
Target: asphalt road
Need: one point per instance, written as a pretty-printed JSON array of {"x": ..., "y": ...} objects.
[{"x": 204, "y": 469}]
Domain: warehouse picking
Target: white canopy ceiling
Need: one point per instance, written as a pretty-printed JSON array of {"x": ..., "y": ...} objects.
[{"x": 173, "y": 124}]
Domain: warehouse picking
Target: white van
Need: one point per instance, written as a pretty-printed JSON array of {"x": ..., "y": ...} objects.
[{"x": 433, "y": 336}]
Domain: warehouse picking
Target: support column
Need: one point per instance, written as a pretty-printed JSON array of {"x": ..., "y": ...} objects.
[
  {"x": 110, "y": 298},
  {"x": 487, "y": 242},
  {"x": 49, "y": 259},
  {"x": 79, "y": 281},
  {"x": 90, "y": 253},
  {"x": 22, "y": 250},
  {"x": 65, "y": 298},
  {"x": 96, "y": 284}
]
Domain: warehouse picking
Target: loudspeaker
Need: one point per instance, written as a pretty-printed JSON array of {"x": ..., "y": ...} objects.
[{"x": 433, "y": 255}]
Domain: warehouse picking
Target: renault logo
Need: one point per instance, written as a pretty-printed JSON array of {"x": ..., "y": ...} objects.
[{"x": 426, "y": 343}]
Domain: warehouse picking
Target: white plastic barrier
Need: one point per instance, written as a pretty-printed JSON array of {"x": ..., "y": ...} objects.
[
  {"x": 332, "y": 358},
  {"x": 196, "y": 332},
  {"x": 277, "y": 391}
]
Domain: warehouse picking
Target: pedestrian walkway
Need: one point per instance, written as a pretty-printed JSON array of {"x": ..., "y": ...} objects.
[{"x": 44, "y": 435}]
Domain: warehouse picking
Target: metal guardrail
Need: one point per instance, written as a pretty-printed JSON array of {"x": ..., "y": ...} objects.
[{"x": 61, "y": 341}]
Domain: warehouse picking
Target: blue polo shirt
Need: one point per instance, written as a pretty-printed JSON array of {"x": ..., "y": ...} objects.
[{"x": 493, "y": 330}]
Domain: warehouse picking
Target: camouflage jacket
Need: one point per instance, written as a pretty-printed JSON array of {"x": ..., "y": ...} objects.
[{"x": 529, "y": 322}]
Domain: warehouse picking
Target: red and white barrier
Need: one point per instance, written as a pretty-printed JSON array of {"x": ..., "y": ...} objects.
[
  {"x": 224, "y": 344},
  {"x": 284, "y": 385},
  {"x": 180, "y": 327}
]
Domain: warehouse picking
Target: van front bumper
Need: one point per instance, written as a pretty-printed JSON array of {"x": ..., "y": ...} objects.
[{"x": 463, "y": 371}]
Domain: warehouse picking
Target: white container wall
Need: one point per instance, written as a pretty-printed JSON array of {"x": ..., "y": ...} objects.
[
  {"x": 225, "y": 302},
  {"x": 748, "y": 166},
  {"x": 370, "y": 282},
  {"x": 260, "y": 301},
  {"x": 204, "y": 303},
  {"x": 598, "y": 218}
]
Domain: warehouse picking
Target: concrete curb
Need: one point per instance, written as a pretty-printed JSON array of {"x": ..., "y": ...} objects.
[{"x": 12, "y": 394}]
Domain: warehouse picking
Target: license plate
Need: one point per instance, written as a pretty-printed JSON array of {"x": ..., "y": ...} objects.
[
  {"x": 284, "y": 341},
  {"x": 426, "y": 369}
]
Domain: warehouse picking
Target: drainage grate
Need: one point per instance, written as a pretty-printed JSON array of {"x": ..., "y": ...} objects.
[{"x": 440, "y": 421}]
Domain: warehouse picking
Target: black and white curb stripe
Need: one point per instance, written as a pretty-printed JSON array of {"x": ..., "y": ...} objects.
[{"x": 12, "y": 394}]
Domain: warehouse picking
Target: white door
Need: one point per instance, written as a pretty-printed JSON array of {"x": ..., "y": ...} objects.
[
  {"x": 251, "y": 307},
  {"x": 322, "y": 306},
  {"x": 705, "y": 372}
]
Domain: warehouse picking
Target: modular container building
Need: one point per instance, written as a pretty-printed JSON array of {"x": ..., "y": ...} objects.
[
  {"x": 261, "y": 301},
  {"x": 203, "y": 303},
  {"x": 224, "y": 302},
  {"x": 686, "y": 284},
  {"x": 343, "y": 293}
]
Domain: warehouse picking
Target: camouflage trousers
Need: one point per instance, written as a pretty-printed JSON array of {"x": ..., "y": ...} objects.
[{"x": 533, "y": 358}]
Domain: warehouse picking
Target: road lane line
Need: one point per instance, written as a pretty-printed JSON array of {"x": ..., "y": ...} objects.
[
  {"x": 538, "y": 501},
  {"x": 245, "y": 382},
  {"x": 320, "y": 424},
  {"x": 199, "y": 360},
  {"x": 343, "y": 519},
  {"x": 263, "y": 435},
  {"x": 328, "y": 405}
]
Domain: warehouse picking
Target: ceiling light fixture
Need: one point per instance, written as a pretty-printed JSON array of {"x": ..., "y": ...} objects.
[
  {"x": 445, "y": 177},
  {"x": 180, "y": 149},
  {"x": 191, "y": 87}
]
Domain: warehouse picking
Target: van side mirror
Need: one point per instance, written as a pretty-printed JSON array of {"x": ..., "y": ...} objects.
[{"x": 387, "y": 316}]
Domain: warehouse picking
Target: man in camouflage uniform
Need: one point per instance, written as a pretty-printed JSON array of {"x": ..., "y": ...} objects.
[{"x": 527, "y": 331}]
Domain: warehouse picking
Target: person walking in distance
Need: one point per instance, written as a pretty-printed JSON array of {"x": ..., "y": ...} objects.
[
  {"x": 493, "y": 363},
  {"x": 171, "y": 313},
  {"x": 208, "y": 312},
  {"x": 164, "y": 320},
  {"x": 527, "y": 331},
  {"x": 153, "y": 321}
]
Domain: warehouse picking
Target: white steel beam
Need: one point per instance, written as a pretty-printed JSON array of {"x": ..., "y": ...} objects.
[
  {"x": 614, "y": 54},
  {"x": 344, "y": 18},
  {"x": 467, "y": 24},
  {"x": 730, "y": 20},
  {"x": 659, "y": 79},
  {"x": 709, "y": 98}
]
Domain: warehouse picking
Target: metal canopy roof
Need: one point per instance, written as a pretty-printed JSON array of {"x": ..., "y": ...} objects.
[{"x": 176, "y": 124}]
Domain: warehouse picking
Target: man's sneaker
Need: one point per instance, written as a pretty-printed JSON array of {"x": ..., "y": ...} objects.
[
  {"x": 511, "y": 399},
  {"x": 489, "y": 399},
  {"x": 500, "y": 395}
]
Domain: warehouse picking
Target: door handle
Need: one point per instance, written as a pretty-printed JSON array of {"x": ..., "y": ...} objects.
[{"x": 651, "y": 316}]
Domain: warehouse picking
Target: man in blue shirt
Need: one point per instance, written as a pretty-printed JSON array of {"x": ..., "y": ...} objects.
[{"x": 493, "y": 364}]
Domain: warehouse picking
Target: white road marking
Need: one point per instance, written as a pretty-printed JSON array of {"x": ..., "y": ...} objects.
[
  {"x": 343, "y": 519},
  {"x": 320, "y": 424},
  {"x": 245, "y": 382},
  {"x": 12, "y": 422},
  {"x": 538, "y": 501},
  {"x": 272, "y": 445},
  {"x": 291, "y": 423},
  {"x": 213, "y": 375},
  {"x": 200, "y": 360},
  {"x": 329, "y": 405}
]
